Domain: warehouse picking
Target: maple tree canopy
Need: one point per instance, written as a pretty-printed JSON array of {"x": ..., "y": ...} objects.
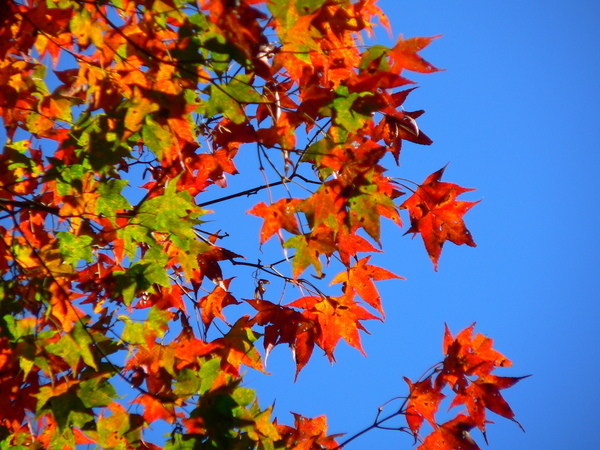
[{"x": 122, "y": 303}]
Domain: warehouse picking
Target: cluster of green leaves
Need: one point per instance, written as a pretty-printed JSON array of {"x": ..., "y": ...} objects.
[{"x": 105, "y": 239}]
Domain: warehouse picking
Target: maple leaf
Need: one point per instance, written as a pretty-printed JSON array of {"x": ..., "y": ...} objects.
[
  {"x": 208, "y": 265},
  {"x": 75, "y": 347},
  {"x": 155, "y": 409},
  {"x": 306, "y": 254},
  {"x": 404, "y": 55},
  {"x": 281, "y": 214},
  {"x": 285, "y": 325},
  {"x": 165, "y": 298},
  {"x": 62, "y": 308},
  {"x": 338, "y": 317},
  {"x": 437, "y": 215},
  {"x": 397, "y": 126},
  {"x": 366, "y": 10},
  {"x": 82, "y": 439},
  {"x": 360, "y": 278},
  {"x": 326, "y": 204},
  {"x": 187, "y": 350},
  {"x": 147, "y": 364},
  {"x": 307, "y": 434},
  {"x": 451, "y": 435},
  {"x": 466, "y": 356},
  {"x": 485, "y": 393},
  {"x": 121, "y": 423},
  {"x": 231, "y": 136},
  {"x": 423, "y": 403},
  {"x": 350, "y": 244},
  {"x": 212, "y": 304},
  {"x": 237, "y": 348}
]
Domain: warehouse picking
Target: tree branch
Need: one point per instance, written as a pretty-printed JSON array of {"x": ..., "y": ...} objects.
[{"x": 247, "y": 192}]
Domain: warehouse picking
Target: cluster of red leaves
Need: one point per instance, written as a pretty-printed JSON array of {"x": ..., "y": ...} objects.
[
  {"x": 467, "y": 369},
  {"x": 322, "y": 320}
]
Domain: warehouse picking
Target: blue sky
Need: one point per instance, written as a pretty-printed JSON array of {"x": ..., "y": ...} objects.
[{"x": 515, "y": 113}]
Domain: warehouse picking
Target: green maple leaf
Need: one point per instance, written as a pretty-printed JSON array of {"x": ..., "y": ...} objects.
[
  {"x": 75, "y": 346},
  {"x": 111, "y": 200},
  {"x": 349, "y": 108},
  {"x": 156, "y": 137},
  {"x": 230, "y": 98},
  {"x": 97, "y": 391},
  {"x": 304, "y": 256},
  {"x": 75, "y": 248},
  {"x": 173, "y": 213}
]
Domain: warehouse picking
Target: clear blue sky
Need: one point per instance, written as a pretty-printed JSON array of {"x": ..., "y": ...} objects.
[{"x": 516, "y": 115}]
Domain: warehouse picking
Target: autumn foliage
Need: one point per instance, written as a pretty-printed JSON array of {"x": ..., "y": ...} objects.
[{"x": 121, "y": 301}]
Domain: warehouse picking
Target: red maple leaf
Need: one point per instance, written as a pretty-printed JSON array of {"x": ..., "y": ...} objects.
[
  {"x": 360, "y": 278},
  {"x": 466, "y": 357},
  {"x": 212, "y": 304},
  {"x": 307, "y": 434},
  {"x": 451, "y": 435},
  {"x": 397, "y": 126},
  {"x": 404, "y": 55},
  {"x": 337, "y": 317},
  {"x": 155, "y": 409},
  {"x": 208, "y": 265},
  {"x": 285, "y": 326},
  {"x": 484, "y": 394},
  {"x": 437, "y": 215},
  {"x": 281, "y": 214},
  {"x": 423, "y": 403}
]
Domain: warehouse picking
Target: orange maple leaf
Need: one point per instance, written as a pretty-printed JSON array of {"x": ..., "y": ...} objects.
[
  {"x": 62, "y": 307},
  {"x": 307, "y": 434},
  {"x": 146, "y": 365},
  {"x": 350, "y": 244},
  {"x": 338, "y": 317},
  {"x": 188, "y": 350},
  {"x": 281, "y": 214},
  {"x": 468, "y": 356},
  {"x": 404, "y": 55},
  {"x": 437, "y": 215},
  {"x": 451, "y": 435},
  {"x": 423, "y": 403},
  {"x": 155, "y": 409},
  {"x": 360, "y": 278},
  {"x": 212, "y": 304},
  {"x": 237, "y": 348},
  {"x": 484, "y": 393}
]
